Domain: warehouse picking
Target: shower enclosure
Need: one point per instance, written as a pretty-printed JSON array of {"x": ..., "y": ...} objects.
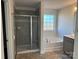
[{"x": 27, "y": 32}]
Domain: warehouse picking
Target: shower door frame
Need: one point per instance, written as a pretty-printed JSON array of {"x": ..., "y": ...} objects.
[{"x": 32, "y": 50}]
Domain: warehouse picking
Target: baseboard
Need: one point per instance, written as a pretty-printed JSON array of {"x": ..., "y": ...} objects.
[{"x": 28, "y": 51}]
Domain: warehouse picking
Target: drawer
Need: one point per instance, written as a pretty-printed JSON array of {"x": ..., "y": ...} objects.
[{"x": 68, "y": 46}]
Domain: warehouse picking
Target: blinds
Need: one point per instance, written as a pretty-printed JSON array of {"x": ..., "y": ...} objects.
[{"x": 49, "y": 22}]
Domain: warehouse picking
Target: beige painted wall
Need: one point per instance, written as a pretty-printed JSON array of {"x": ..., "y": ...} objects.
[{"x": 66, "y": 21}]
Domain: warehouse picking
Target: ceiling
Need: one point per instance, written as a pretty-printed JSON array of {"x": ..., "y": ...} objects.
[
  {"x": 51, "y": 4},
  {"x": 57, "y": 4}
]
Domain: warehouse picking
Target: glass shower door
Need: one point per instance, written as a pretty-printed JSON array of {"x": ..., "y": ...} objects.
[
  {"x": 35, "y": 41},
  {"x": 22, "y": 33}
]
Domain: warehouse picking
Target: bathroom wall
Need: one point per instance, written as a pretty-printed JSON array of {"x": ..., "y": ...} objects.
[
  {"x": 66, "y": 21},
  {"x": 75, "y": 54}
]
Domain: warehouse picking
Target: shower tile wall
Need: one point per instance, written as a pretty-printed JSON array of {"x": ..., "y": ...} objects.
[
  {"x": 27, "y": 12},
  {"x": 22, "y": 31}
]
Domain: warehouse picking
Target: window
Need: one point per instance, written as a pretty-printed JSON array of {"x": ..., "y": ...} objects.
[{"x": 48, "y": 22}]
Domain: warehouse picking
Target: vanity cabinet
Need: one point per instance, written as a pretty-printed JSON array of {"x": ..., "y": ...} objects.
[{"x": 68, "y": 46}]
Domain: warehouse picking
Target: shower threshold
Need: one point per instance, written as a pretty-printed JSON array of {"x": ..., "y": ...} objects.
[{"x": 28, "y": 51}]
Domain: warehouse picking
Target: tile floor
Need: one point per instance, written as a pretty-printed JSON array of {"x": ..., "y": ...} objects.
[{"x": 50, "y": 55}]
